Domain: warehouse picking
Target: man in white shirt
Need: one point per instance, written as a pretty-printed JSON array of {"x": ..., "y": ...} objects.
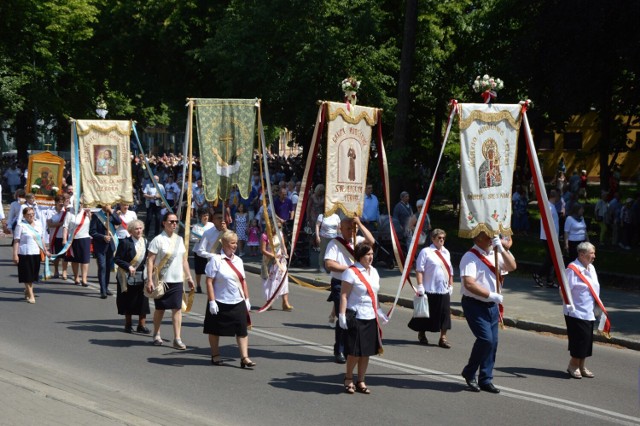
[
  {"x": 211, "y": 238},
  {"x": 546, "y": 269},
  {"x": 153, "y": 202},
  {"x": 173, "y": 192}
]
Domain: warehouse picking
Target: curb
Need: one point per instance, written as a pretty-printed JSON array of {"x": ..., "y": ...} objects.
[{"x": 508, "y": 321}]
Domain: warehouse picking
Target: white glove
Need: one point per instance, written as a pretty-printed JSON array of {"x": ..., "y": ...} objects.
[
  {"x": 248, "y": 303},
  {"x": 420, "y": 290},
  {"x": 342, "y": 321},
  {"x": 495, "y": 297},
  {"x": 382, "y": 317},
  {"x": 497, "y": 244},
  {"x": 213, "y": 307},
  {"x": 570, "y": 308}
]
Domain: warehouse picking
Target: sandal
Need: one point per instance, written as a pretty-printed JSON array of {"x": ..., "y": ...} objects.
[
  {"x": 362, "y": 388},
  {"x": 349, "y": 387},
  {"x": 444, "y": 343},
  {"x": 574, "y": 372},
  {"x": 585, "y": 372},
  {"x": 538, "y": 279},
  {"x": 219, "y": 360},
  {"x": 246, "y": 362}
]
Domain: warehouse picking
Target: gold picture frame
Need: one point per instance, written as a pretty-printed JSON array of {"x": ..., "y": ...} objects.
[{"x": 45, "y": 177}]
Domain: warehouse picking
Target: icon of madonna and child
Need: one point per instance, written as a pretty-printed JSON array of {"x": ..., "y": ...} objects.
[
  {"x": 105, "y": 160},
  {"x": 489, "y": 173}
]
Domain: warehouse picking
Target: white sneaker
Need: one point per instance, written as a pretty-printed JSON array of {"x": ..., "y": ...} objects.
[{"x": 157, "y": 340}]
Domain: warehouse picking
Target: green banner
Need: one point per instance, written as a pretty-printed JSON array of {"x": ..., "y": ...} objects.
[{"x": 226, "y": 134}]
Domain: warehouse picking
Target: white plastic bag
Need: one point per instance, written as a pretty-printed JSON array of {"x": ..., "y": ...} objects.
[{"x": 420, "y": 307}]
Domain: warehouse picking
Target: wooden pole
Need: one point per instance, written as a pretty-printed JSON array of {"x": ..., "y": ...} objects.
[{"x": 187, "y": 220}]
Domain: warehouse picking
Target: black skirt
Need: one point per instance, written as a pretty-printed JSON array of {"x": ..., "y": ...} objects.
[
  {"x": 580, "y": 334},
  {"x": 133, "y": 301},
  {"x": 81, "y": 251},
  {"x": 57, "y": 245},
  {"x": 199, "y": 264},
  {"x": 231, "y": 320},
  {"x": 362, "y": 338},
  {"x": 172, "y": 298},
  {"x": 439, "y": 314},
  {"x": 28, "y": 268}
]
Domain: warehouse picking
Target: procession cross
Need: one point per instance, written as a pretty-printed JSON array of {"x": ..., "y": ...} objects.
[{"x": 227, "y": 139}]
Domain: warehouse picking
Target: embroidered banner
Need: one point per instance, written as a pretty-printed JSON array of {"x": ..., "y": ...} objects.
[
  {"x": 226, "y": 134},
  {"x": 105, "y": 161},
  {"x": 488, "y": 143},
  {"x": 348, "y": 140}
]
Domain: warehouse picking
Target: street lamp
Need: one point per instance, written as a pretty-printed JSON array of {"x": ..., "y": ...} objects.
[{"x": 101, "y": 108}]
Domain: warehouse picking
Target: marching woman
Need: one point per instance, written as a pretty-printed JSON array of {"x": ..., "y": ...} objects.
[
  {"x": 359, "y": 303},
  {"x": 274, "y": 271},
  {"x": 228, "y": 307},
  {"x": 76, "y": 226},
  {"x": 434, "y": 274},
  {"x": 197, "y": 231},
  {"x": 167, "y": 263},
  {"x": 130, "y": 258},
  {"x": 585, "y": 291},
  {"x": 126, "y": 216},
  {"x": 55, "y": 221},
  {"x": 27, "y": 250}
]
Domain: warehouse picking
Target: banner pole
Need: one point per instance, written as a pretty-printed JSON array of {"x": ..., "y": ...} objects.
[{"x": 187, "y": 220}]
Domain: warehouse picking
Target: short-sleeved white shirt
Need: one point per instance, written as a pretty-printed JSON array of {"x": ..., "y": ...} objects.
[
  {"x": 582, "y": 298},
  {"x": 129, "y": 216},
  {"x": 435, "y": 277},
  {"x": 162, "y": 244},
  {"x": 328, "y": 225},
  {"x": 209, "y": 238},
  {"x": 472, "y": 266},
  {"x": 225, "y": 279},
  {"x": 577, "y": 229},
  {"x": 200, "y": 229},
  {"x": 336, "y": 251},
  {"x": 359, "y": 299},
  {"x": 72, "y": 221},
  {"x": 27, "y": 243}
]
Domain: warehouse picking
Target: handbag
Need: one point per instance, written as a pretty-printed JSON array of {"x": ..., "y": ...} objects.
[
  {"x": 160, "y": 288},
  {"x": 420, "y": 307},
  {"x": 158, "y": 291}
]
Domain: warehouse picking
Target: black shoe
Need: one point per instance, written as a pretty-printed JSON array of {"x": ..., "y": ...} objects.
[
  {"x": 488, "y": 387},
  {"x": 109, "y": 293},
  {"x": 340, "y": 359},
  {"x": 128, "y": 329},
  {"x": 142, "y": 329},
  {"x": 199, "y": 289},
  {"x": 103, "y": 296},
  {"x": 472, "y": 384},
  {"x": 422, "y": 338}
]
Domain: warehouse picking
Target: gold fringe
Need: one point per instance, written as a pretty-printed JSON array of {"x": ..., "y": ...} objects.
[
  {"x": 490, "y": 117},
  {"x": 482, "y": 227},
  {"x": 103, "y": 130},
  {"x": 346, "y": 116}
]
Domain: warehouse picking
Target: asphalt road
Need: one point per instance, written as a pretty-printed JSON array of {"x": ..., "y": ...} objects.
[{"x": 66, "y": 360}]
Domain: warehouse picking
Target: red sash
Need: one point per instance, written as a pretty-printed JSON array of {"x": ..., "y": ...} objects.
[
  {"x": 123, "y": 223},
  {"x": 55, "y": 232},
  {"x": 489, "y": 265},
  {"x": 374, "y": 302},
  {"x": 240, "y": 277},
  {"x": 346, "y": 245},
  {"x": 447, "y": 264},
  {"x": 607, "y": 324},
  {"x": 75, "y": 232}
]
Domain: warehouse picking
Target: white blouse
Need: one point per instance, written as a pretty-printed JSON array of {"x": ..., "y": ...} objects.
[
  {"x": 162, "y": 244},
  {"x": 72, "y": 221},
  {"x": 359, "y": 299},
  {"x": 27, "y": 243},
  {"x": 129, "y": 216},
  {"x": 435, "y": 277},
  {"x": 225, "y": 279},
  {"x": 577, "y": 230},
  {"x": 582, "y": 298}
]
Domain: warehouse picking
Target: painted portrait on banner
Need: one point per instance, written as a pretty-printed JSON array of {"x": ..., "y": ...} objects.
[
  {"x": 488, "y": 141},
  {"x": 104, "y": 157},
  {"x": 45, "y": 176},
  {"x": 348, "y": 144}
]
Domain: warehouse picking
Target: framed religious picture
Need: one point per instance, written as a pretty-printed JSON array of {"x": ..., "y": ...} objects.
[
  {"x": 45, "y": 176},
  {"x": 104, "y": 160}
]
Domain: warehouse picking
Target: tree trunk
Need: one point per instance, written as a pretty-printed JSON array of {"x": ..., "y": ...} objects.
[
  {"x": 25, "y": 133},
  {"x": 404, "y": 85}
]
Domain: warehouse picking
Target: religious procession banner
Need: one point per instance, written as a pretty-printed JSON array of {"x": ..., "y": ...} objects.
[
  {"x": 226, "y": 134},
  {"x": 103, "y": 160},
  {"x": 348, "y": 141},
  {"x": 488, "y": 142}
]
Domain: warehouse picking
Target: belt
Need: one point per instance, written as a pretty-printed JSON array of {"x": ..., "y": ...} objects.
[{"x": 473, "y": 299}]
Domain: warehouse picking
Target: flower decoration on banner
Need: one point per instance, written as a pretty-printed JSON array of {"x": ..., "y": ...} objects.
[
  {"x": 487, "y": 87},
  {"x": 35, "y": 188},
  {"x": 54, "y": 190},
  {"x": 350, "y": 88}
]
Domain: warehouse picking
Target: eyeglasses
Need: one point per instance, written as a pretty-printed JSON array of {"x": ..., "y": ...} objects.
[{"x": 173, "y": 222}]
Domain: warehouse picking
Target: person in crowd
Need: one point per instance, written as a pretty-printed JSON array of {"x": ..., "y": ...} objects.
[
  {"x": 370, "y": 209},
  {"x": 30, "y": 201},
  {"x": 153, "y": 202},
  {"x": 434, "y": 273},
  {"x": 228, "y": 303},
  {"x": 559, "y": 182},
  {"x": 167, "y": 263},
  {"x": 337, "y": 258},
  {"x": 101, "y": 227},
  {"x": 413, "y": 222},
  {"x": 600, "y": 214},
  {"x": 545, "y": 272},
  {"x": 199, "y": 201},
  {"x": 402, "y": 212},
  {"x": 197, "y": 232},
  {"x": 520, "y": 214},
  {"x": 326, "y": 230},
  {"x": 131, "y": 259},
  {"x": 275, "y": 280},
  {"x": 13, "y": 175},
  {"x": 580, "y": 318},
  {"x": 173, "y": 192},
  {"x": 582, "y": 191},
  {"x": 480, "y": 299},
  {"x": 241, "y": 221},
  {"x": 5, "y": 229},
  {"x": 315, "y": 205},
  {"x": 283, "y": 208},
  {"x": 211, "y": 242},
  {"x": 126, "y": 216},
  {"x": 27, "y": 250},
  {"x": 253, "y": 237},
  {"x": 360, "y": 316},
  {"x": 14, "y": 209},
  {"x": 575, "y": 230},
  {"x": 76, "y": 228},
  {"x": 613, "y": 218},
  {"x": 55, "y": 220}
]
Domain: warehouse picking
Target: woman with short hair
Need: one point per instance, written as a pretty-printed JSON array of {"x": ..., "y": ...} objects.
[
  {"x": 76, "y": 227},
  {"x": 27, "y": 250},
  {"x": 575, "y": 230}
]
